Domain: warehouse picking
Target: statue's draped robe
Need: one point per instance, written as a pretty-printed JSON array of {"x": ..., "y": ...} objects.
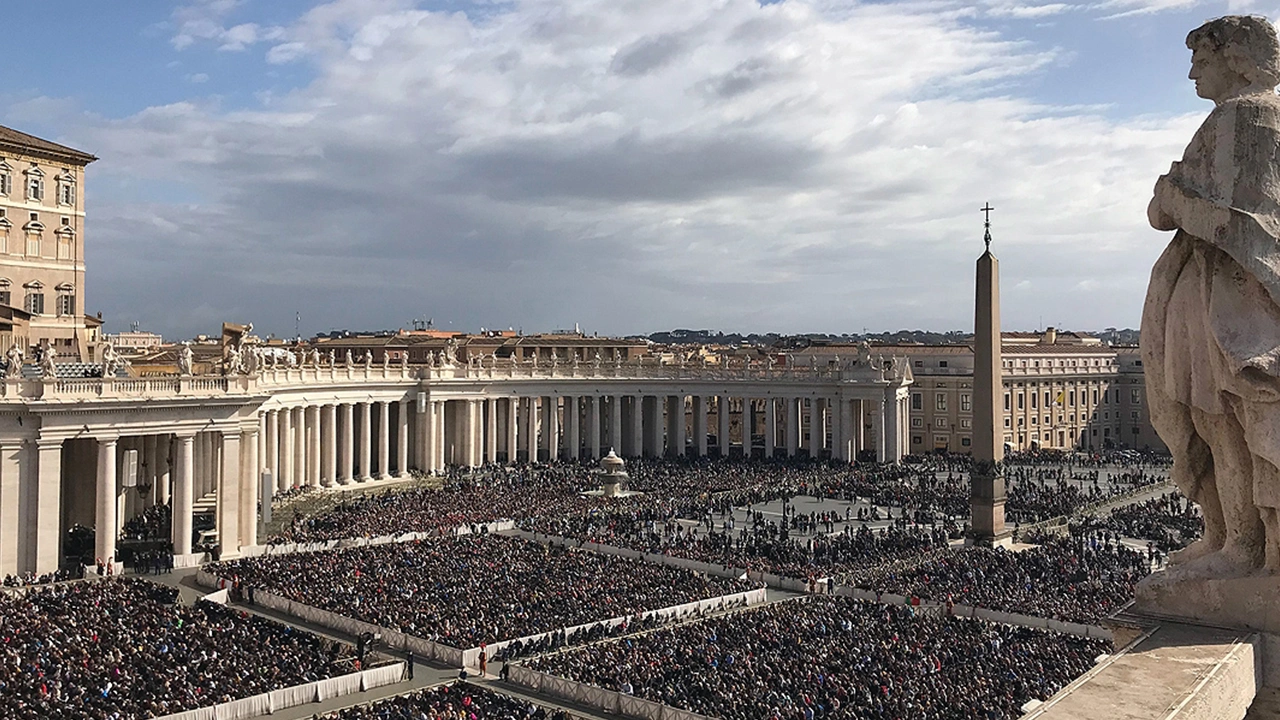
[{"x": 1211, "y": 324}]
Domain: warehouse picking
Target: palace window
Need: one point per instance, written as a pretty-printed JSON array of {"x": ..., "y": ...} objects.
[
  {"x": 1021, "y": 402},
  {"x": 34, "y": 301},
  {"x": 1006, "y": 401},
  {"x": 942, "y": 363},
  {"x": 6, "y": 178},
  {"x": 66, "y": 240},
  {"x": 942, "y": 401},
  {"x": 940, "y": 422},
  {"x": 966, "y": 403},
  {"x": 1071, "y": 398},
  {"x": 1135, "y": 396},
  {"x": 35, "y": 184},
  {"x": 66, "y": 189},
  {"x": 34, "y": 231},
  {"x": 4, "y": 233},
  {"x": 5, "y": 292},
  {"x": 917, "y": 422},
  {"x": 917, "y": 401},
  {"x": 966, "y": 442},
  {"x": 1034, "y": 398},
  {"x": 66, "y": 300}
]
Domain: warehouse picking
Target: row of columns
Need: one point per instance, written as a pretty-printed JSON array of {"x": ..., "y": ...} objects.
[
  {"x": 335, "y": 443},
  {"x": 472, "y": 432}
]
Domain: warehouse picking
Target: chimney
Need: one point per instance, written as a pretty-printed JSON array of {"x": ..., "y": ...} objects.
[{"x": 1050, "y": 335}]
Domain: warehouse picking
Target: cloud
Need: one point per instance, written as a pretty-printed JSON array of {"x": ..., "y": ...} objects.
[
  {"x": 627, "y": 164},
  {"x": 204, "y": 21},
  {"x": 198, "y": 78}
]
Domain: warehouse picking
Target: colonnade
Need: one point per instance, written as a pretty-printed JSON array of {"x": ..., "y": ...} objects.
[
  {"x": 337, "y": 443},
  {"x": 472, "y": 432},
  {"x": 219, "y": 460}
]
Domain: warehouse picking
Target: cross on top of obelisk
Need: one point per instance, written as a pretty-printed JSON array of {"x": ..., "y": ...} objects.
[{"x": 986, "y": 224}]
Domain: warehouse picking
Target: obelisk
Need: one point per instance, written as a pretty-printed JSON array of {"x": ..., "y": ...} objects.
[{"x": 986, "y": 492}]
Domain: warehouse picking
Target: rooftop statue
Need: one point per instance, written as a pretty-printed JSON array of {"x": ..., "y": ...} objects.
[{"x": 1211, "y": 325}]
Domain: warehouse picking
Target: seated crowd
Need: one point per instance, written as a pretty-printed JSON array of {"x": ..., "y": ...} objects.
[
  {"x": 835, "y": 656},
  {"x": 473, "y": 589},
  {"x": 121, "y": 648},
  {"x": 1076, "y": 579},
  {"x": 460, "y": 701}
]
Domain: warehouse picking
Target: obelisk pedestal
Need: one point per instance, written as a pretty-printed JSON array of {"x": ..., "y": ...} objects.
[{"x": 987, "y": 491}]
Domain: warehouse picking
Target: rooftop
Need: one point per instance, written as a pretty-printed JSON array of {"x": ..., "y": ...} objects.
[{"x": 15, "y": 140}]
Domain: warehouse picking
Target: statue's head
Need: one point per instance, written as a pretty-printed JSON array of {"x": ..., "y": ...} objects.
[{"x": 1234, "y": 54}]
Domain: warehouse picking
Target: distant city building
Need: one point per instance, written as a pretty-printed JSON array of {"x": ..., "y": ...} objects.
[{"x": 134, "y": 342}]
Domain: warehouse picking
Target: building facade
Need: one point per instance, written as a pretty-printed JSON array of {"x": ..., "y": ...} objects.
[
  {"x": 42, "y": 240},
  {"x": 1062, "y": 391}
]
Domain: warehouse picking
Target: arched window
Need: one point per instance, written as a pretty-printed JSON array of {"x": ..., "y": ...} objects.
[{"x": 5, "y": 227}]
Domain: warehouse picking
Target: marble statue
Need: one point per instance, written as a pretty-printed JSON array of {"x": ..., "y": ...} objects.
[
  {"x": 595, "y": 361},
  {"x": 185, "y": 360},
  {"x": 48, "y": 368},
  {"x": 368, "y": 360},
  {"x": 315, "y": 357},
  {"x": 1211, "y": 324},
  {"x": 864, "y": 353},
  {"x": 450, "y": 352},
  {"x": 110, "y": 360},
  {"x": 333, "y": 358},
  {"x": 386, "y": 360},
  {"x": 404, "y": 360},
  {"x": 15, "y": 359},
  {"x": 234, "y": 363},
  {"x": 347, "y": 360}
]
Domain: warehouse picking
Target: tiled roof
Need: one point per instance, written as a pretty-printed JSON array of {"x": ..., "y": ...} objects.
[{"x": 21, "y": 141}]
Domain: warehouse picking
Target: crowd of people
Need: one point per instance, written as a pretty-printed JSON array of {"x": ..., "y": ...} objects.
[
  {"x": 474, "y": 589},
  {"x": 1073, "y": 579},
  {"x": 834, "y": 656},
  {"x": 122, "y": 648},
  {"x": 1169, "y": 522},
  {"x": 27, "y": 579},
  {"x": 459, "y": 701}
]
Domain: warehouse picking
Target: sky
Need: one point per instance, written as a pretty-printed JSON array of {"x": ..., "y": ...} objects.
[{"x": 625, "y": 166}]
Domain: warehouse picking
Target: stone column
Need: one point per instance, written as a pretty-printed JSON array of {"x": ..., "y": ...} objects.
[
  {"x": 637, "y": 425},
  {"x": 531, "y": 428},
  {"x": 299, "y": 447},
  {"x": 678, "y": 421},
  {"x": 877, "y": 427},
  {"x": 47, "y": 526},
  {"x": 384, "y": 441},
  {"x": 513, "y": 429},
  {"x": 182, "y": 501},
  {"x": 273, "y": 459},
  {"x": 593, "y": 425},
  {"x": 402, "y": 439},
  {"x": 104, "y": 541},
  {"x": 651, "y": 421},
  {"x": 815, "y": 427},
  {"x": 847, "y": 431},
  {"x": 228, "y": 517},
  {"x": 722, "y": 420},
  {"x": 551, "y": 428},
  {"x": 748, "y": 425},
  {"x": 793, "y": 426},
  {"x": 329, "y": 444},
  {"x": 700, "y": 425},
  {"x": 615, "y": 424},
  {"x": 439, "y": 435},
  {"x": 573, "y": 434},
  {"x": 770, "y": 426},
  {"x": 366, "y": 443},
  {"x": 164, "y": 477},
  {"x": 11, "y": 454},
  {"x": 284, "y": 480},
  {"x": 347, "y": 472},
  {"x": 250, "y": 482},
  {"x": 314, "y": 470}
]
